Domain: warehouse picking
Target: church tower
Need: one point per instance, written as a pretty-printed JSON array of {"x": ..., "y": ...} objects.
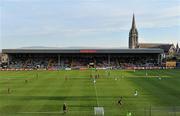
[
  {"x": 133, "y": 35},
  {"x": 177, "y": 48}
]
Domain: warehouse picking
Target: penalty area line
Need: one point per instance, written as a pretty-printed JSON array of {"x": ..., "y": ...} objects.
[
  {"x": 46, "y": 112},
  {"x": 96, "y": 95},
  {"x": 149, "y": 76},
  {"x": 39, "y": 112}
]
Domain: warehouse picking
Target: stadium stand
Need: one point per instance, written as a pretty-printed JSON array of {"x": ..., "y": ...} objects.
[
  {"x": 76, "y": 59},
  {"x": 0, "y": 61}
]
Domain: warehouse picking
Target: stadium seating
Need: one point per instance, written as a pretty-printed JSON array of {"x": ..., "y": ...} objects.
[{"x": 77, "y": 62}]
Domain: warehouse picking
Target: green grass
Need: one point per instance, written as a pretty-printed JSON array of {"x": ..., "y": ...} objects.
[{"x": 46, "y": 91}]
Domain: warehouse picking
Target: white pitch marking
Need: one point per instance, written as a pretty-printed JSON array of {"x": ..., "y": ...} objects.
[
  {"x": 40, "y": 112},
  {"x": 96, "y": 95}
]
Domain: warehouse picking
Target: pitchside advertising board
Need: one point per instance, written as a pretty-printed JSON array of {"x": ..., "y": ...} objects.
[
  {"x": 88, "y": 51},
  {"x": 171, "y": 64}
]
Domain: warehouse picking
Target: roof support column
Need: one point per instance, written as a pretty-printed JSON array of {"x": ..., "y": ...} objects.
[
  {"x": 59, "y": 59},
  {"x": 109, "y": 60},
  {"x": 159, "y": 59}
]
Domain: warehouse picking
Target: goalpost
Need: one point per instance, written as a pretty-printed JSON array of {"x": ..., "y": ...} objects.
[{"x": 99, "y": 111}]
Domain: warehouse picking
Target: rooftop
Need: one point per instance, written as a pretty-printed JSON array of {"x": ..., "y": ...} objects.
[{"x": 83, "y": 50}]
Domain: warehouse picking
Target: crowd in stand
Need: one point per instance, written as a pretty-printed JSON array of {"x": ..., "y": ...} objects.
[
  {"x": 77, "y": 62},
  {"x": 0, "y": 63},
  {"x": 32, "y": 62}
]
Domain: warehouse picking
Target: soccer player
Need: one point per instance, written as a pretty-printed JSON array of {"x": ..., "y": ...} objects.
[
  {"x": 91, "y": 76},
  {"x": 66, "y": 77},
  {"x": 95, "y": 76},
  {"x": 26, "y": 81},
  {"x": 64, "y": 108},
  {"x": 120, "y": 101},
  {"x": 9, "y": 90},
  {"x": 159, "y": 78},
  {"x": 98, "y": 75},
  {"x": 136, "y": 93},
  {"x": 94, "y": 81},
  {"x": 129, "y": 114},
  {"x": 36, "y": 75},
  {"x": 146, "y": 74},
  {"x": 108, "y": 73}
]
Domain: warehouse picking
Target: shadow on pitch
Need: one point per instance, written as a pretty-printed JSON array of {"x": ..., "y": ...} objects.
[{"x": 63, "y": 98}]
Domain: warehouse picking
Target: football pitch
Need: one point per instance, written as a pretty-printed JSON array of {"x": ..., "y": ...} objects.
[{"x": 42, "y": 93}]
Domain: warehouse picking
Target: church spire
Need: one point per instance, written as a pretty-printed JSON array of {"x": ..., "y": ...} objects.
[
  {"x": 133, "y": 35},
  {"x": 177, "y": 48},
  {"x": 133, "y": 22}
]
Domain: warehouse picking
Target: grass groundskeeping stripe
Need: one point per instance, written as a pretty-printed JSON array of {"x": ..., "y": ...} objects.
[{"x": 42, "y": 93}]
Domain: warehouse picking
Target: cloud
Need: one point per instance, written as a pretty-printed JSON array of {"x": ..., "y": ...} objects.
[{"x": 85, "y": 18}]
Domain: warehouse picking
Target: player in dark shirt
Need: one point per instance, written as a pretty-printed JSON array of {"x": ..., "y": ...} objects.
[
  {"x": 9, "y": 90},
  {"x": 26, "y": 81},
  {"x": 120, "y": 101},
  {"x": 64, "y": 108}
]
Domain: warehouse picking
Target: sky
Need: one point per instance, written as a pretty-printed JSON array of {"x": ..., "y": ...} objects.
[{"x": 87, "y": 23}]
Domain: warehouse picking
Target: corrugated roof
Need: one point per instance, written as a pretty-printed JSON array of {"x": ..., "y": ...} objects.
[
  {"x": 93, "y": 50},
  {"x": 165, "y": 47}
]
